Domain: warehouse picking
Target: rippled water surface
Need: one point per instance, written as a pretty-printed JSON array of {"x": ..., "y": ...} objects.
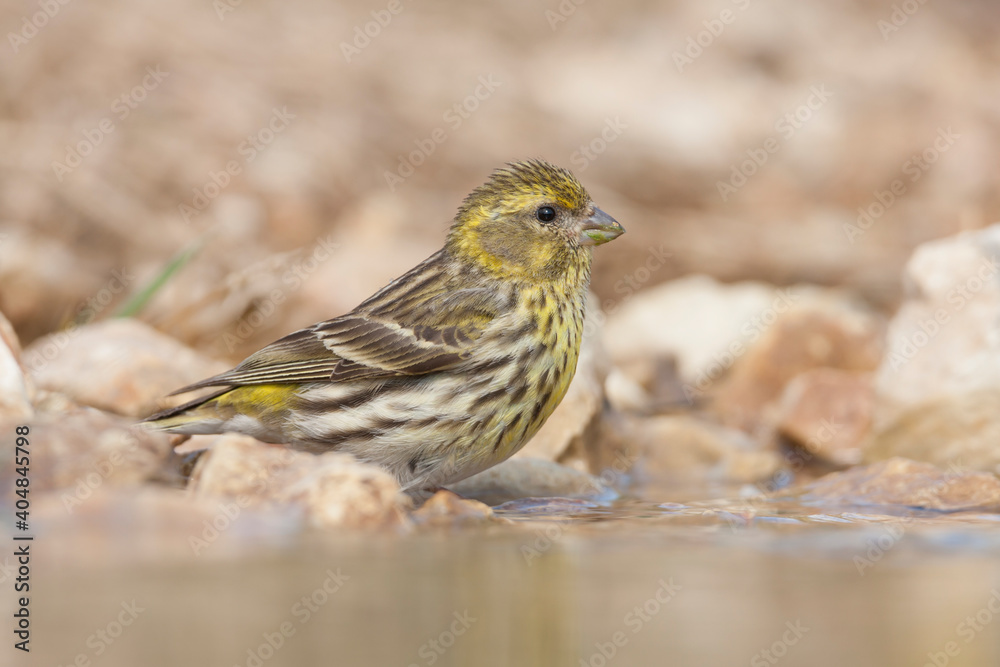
[{"x": 562, "y": 582}]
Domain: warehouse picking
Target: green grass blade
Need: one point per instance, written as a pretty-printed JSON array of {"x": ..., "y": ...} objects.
[{"x": 135, "y": 304}]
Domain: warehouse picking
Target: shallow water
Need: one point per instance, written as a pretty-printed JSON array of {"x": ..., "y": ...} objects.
[{"x": 564, "y": 583}]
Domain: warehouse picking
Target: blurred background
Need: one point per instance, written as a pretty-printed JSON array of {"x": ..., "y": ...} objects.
[
  {"x": 229, "y": 171},
  {"x": 741, "y": 138}
]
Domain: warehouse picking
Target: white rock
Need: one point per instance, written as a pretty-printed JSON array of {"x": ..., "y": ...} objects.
[
  {"x": 697, "y": 319},
  {"x": 937, "y": 389},
  {"x": 945, "y": 339}
]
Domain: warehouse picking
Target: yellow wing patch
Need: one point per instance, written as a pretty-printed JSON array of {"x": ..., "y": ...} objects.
[{"x": 259, "y": 400}]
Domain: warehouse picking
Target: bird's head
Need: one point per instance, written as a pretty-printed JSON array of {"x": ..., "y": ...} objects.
[{"x": 530, "y": 219}]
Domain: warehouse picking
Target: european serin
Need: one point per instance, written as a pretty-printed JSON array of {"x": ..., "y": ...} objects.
[{"x": 450, "y": 368}]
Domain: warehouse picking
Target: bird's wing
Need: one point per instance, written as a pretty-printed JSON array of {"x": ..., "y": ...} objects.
[
  {"x": 404, "y": 337},
  {"x": 298, "y": 357},
  {"x": 437, "y": 334}
]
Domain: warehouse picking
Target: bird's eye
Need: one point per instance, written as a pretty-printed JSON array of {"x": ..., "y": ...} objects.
[{"x": 546, "y": 214}]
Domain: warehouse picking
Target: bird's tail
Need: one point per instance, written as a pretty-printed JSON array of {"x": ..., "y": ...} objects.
[{"x": 198, "y": 417}]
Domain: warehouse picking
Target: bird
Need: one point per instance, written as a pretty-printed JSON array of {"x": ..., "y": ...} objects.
[{"x": 449, "y": 369}]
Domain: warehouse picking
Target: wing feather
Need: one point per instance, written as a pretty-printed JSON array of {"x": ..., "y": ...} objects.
[
  {"x": 434, "y": 327},
  {"x": 298, "y": 357}
]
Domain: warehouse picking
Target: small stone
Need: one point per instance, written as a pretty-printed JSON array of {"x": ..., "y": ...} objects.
[
  {"x": 234, "y": 465},
  {"x": 342, "y": 491},
  {"x": 445, "y": 508},
  {"x": 333, "y": 489},
  {"x": 15, "y": 392},
  {"x": 900, "y": 481},
  {"x": 119, "y": 365},
  {"x": 963, "y": 431},
  {"x": 827, "y": 413},
  {"x": 527, "y": 477},
  {"x": 625, "y": 393},
  {"x": 821, "y": 331},
  {"x": 647, "y": 386},
  {"x": 680, "y": 446},
  {"x": 78, "y": 452}
]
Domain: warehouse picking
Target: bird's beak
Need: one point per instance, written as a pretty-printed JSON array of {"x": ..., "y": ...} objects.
[{"x": 599, "y": 228}]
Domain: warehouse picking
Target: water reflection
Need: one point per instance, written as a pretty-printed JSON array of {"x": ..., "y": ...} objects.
[{"x": 563, "y": 583}]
